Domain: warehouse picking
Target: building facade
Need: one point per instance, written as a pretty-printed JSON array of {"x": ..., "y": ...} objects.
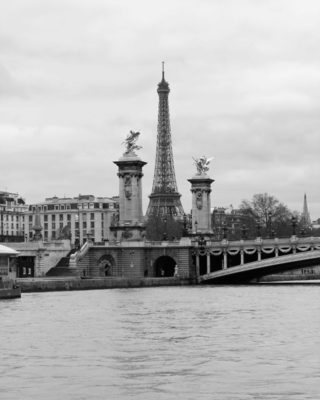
[
  {"x": 12, "y": 221},
  {"x": 227, "y": 222},
  {"x": 72, "y": 218}
]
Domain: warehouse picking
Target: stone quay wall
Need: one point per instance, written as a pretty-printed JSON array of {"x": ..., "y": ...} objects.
[{"x": 52, "y": 284}]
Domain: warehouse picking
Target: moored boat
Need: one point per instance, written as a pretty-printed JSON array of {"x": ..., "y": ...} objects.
[{"x": 8, "y": 273}]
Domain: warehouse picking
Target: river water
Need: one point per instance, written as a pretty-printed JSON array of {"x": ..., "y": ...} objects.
[{"x": 225, "y": 342}]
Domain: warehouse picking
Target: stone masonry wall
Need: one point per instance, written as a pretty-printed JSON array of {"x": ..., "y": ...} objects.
[{"x": 134, "y": 262}]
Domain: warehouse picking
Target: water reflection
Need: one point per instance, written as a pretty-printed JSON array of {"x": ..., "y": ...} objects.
[{"x": 162, "y": 343}]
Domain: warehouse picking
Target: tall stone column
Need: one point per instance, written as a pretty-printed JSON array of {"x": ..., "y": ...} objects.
[
  {"x": 130, "y": 224},
  {"x": 201, "y": 203}
]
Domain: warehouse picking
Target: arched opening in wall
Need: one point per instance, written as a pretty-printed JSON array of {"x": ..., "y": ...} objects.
[
  {"x": 106, "y": 265},
  {"x": 164, "y": 266}
]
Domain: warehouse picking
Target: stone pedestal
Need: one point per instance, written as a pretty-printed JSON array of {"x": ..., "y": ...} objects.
[
  {"x": 201, "y": 204},
  {"x": 130, "y": 224},
  {"x": 37, "y": 228}
]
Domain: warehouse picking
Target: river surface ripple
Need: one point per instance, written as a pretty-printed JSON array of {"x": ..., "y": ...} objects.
[{"x": 226, "y": 342}]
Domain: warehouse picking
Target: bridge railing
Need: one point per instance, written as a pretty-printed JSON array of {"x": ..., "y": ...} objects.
[{"x": 212, "y": 255}]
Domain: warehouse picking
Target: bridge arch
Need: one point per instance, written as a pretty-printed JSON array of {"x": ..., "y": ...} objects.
[
  {"x": 164, "y": 266},
  {"x": 106, "y": 265}
]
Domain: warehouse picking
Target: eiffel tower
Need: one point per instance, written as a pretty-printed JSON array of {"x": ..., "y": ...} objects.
[{"x": 164, "y": 199}]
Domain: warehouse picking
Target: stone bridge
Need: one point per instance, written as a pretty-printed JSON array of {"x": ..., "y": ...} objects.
[
  {"x": 204, "y": 260},
  {"x": 251, "y": 260}
]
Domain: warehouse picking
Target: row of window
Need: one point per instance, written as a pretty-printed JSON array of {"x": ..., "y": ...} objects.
[
  {"x": 55, "y": 217},
  {"x": 6, "y": 225},
  {"x": 61, "y": 225},
  {"x": 12, "y": 233},
  {"x": 73, "y": 206},
  {"x": 10, "y": 217},
  {"x": 12, "y": 209}
]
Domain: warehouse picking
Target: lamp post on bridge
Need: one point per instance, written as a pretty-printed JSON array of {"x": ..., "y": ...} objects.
[
  {"x": 201, "y": 243},
  {"x": 294, "y": 225},
  {"x": 258, "y": 226},
  {"x": 244, "y": 230},
  {"x": 270, "y": 231},
  {"x": 224, "y": 231}
]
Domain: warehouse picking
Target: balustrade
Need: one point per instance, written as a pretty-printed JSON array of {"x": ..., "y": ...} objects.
[{"x": 228, "y": 252}]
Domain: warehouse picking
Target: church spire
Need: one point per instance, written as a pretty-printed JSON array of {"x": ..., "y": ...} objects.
[{"x": 305, "y": 217}]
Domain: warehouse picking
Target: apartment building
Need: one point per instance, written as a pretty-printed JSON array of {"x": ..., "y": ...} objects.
[
  {"x": 12, "y": 209},
  {"x": 72, "y": 218}
]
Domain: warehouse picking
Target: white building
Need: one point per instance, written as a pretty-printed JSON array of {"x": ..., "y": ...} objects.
[
  {"x": 73, "y": 218},
  {"x": 12, "y": 211}
]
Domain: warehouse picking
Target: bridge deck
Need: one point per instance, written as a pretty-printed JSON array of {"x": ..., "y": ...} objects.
[{"x": 267, "y": 265}]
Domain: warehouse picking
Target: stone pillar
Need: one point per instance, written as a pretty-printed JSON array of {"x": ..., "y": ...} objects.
[
  {"x": 241, "y": 256},
  {"x": 130, "y": 225},
  {"x": 225, "y": 259},
  {"x": 201, "y": 203},
  {"x": 259, "y": 254},
  {"x": 197, "y": 265},
  {"x": 208, "y": 263}
]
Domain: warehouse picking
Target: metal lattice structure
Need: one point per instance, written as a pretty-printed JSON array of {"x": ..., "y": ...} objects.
[{"x": 164, "y": 199}]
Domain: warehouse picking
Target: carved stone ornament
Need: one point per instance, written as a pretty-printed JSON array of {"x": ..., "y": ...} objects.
[
  {"x": 128, "y": 187},
  {"x": 199, "y": 200},
  {"x": 115, "y": 219},
  {"x": 126, "y": 234}
]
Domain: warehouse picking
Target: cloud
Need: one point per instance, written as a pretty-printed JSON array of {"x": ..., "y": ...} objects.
[{"x": 76, "y": 76}]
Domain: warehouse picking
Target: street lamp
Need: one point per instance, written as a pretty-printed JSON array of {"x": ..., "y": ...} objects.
[
  {"x": 244, "y": 232},
  {"x": 224, "y": 231},
  {"x": 270, "y": 224},
  {"x": 258, "y": 229},
  {"x": 201, "y": 243},
  {"x": 294, "y": 225}
]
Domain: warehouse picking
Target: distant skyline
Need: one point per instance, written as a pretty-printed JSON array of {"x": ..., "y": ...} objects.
[{"x": 77, "y": 75}]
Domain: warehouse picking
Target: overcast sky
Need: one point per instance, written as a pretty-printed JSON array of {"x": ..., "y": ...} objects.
[{"x": 77, "y": 75}]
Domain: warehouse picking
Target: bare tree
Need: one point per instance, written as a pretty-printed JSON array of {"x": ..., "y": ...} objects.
[{"x": 273, "y": 217}]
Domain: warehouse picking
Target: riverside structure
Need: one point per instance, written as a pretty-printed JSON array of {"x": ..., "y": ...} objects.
[{"x": 129, "y": 256}]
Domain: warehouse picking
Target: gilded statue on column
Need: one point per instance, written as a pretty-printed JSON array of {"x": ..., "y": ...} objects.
[
  {"x": 202, "y": 164},
  {"x": 130, "y": 142}
]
